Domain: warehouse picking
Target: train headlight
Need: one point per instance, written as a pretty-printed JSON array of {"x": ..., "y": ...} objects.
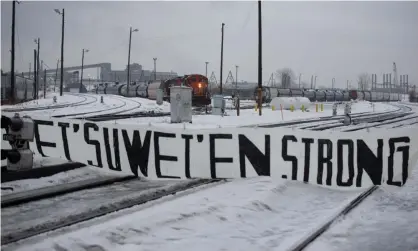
[{"x": 200, "y": 85}]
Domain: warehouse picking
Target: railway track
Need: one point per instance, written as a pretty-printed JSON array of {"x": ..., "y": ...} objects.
[
  {"x": 8, "y": 176},
  {"x": 113, "y": 198},
  {"x": 43, "y": 197},
  {"x": 124, "y": 100},
  {"x": 41, "y": 108},
  {"x": 306, "y": 241},
  {"x": 346, "y": 209},
  {"x": 74, "y": 115}
]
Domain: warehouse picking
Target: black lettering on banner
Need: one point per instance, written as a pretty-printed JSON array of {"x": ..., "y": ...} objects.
[
  {"x": 94, "y": 142},
  {"x": 138, "y": 152},
  {"x": 405, "y": 159},
  {"x": 187, "y": 139},
  {"x": 64, "y": 127},
  {"x": 260, "y": 161},
  {"x": 369, "y": 162},
  {"x": 115, "y": 149},
  {"x": 324, "y": 160},
  {"x": 340, "y": 162},
  {"x": 159, "y": 157},
  {"x": 39, "y": 143},
  {"x": 291, "y": 158},
  {"x": 307, "y": 142},
  {"x": 212, "y": 151}
]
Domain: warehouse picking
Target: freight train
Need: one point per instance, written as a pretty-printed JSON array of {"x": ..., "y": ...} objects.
[
  {"x": 268, "y": 93},
  {"x": 23, "y": 91},
  {"x": 198, "y": 83}
]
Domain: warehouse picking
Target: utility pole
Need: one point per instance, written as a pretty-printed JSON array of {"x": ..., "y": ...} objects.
[
  {"x": 62, "y": 13},
  {"x": 333, "y": 83},
  {"x": 56, "y": 75},
  {"x": 12, "y": 63},
  {"x": 35, "y": 84},
  {"x": 44, "y": 83},
  {"x": 129, "y": 60},
  {"x": 236, "y": 77},
  {"x": 222, "y": 57},
  {"x": 206, "y": 68},
  {"x": 30, "y": 68},
  {"x": 155, "y": 68},
  {"x": 38, "y": 42},
  {"x": 260, "y": 76},
  {"x": 315, "y": 82},
  {"x": 82, "y": 68},
  {"x": 300, "y": 75}
]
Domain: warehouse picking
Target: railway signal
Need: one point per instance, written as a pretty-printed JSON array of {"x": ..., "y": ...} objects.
[{"x": 19, "y": 131}]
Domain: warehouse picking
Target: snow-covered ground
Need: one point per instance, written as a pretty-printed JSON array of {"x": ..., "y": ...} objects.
[
  {"x": 89, "y": 104},
  {"x": 385, "y": 221},
  {"x": 248, "y": 214},
  {"x": 251, "y": 214},
  {"x": 88, "y": 172},
  {"x": 250, "y": 117},
  {"x": 66, "y": 99},
  {"x": 121, "y": 105}
]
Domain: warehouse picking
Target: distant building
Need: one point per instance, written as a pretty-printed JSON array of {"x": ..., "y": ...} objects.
[{"x": 137, "y": 74}]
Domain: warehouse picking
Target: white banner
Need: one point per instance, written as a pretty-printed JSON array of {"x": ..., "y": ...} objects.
[{"x": 337, "y": 160}]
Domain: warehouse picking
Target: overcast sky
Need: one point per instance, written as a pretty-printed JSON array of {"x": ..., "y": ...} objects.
[{"x": 329, "y": 39}]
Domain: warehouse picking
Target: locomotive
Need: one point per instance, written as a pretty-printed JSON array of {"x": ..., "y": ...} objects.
[
  {"x": 23, "y": 91},
  {"x": 198, "y": 83},
  {"x": 268, "y": 93}
]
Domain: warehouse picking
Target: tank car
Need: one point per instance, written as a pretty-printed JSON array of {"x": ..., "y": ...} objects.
[
  {"x": 297, "y": 93},
  {"x": 265, "y": 94},
  {"x": 100, "y": 88},
  {"x": 131, "y": 92},
  {"x": 152, "y": 88},
  {"x": 274, "y": 92},
  {"x": 113, "y": 89},
  {"x": 310, "y": 94},
  {"x": 142, "y": 90},
  {"x": 321, "y": 95},
  {"x": 284, "y": 93}
]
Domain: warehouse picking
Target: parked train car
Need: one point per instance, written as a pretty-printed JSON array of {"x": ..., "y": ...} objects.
[
  {"x": 142, "y": 90},
  {"x": 129, "y": 92},
  {"x": 327, "y": 95},
  {"x": 198, "y": 83},
  {"x": 23, "y": 91}
]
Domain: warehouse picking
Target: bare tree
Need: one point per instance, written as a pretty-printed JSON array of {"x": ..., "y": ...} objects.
[
  {"x": 286, "y": 76},
  {"x": 364, "y": 81}
]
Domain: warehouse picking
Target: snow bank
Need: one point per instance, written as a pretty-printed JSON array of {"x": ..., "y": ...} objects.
[{"x": 287, "y": 102}]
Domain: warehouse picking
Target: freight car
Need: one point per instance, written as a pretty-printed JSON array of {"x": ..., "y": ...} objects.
[
  {"x": 198, "y": 83},
  {"x": 327, "y": 95}
]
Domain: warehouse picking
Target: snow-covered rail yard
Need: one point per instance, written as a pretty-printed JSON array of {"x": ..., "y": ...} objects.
[{"x": 91, "y": 208}]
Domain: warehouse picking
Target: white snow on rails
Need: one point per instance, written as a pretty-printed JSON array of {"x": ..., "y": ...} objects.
[{"x": 257, "y": 213}]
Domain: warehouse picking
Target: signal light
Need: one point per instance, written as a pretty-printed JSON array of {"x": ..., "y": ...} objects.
[{"x": 19, "y": 131}]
